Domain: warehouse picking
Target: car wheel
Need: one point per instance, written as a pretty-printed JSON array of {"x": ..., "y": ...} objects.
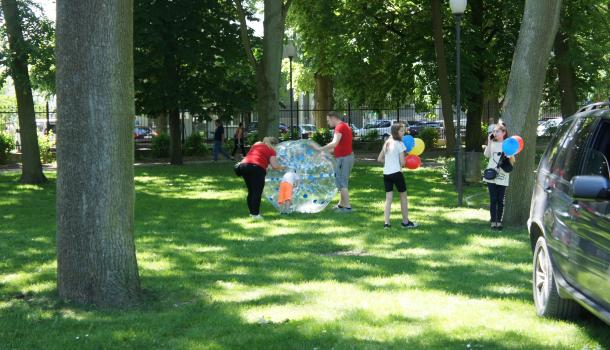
[{"x": 546, "y": 296}]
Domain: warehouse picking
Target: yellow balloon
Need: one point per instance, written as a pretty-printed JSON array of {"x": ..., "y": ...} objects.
[{"x": 419, "y": 147}]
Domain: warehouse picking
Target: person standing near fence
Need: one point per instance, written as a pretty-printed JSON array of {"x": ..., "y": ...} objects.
[
  {"x": 341, "y": 145},
  {"x": 240, "y": 140},
  {"x": 219, "y": 138}
]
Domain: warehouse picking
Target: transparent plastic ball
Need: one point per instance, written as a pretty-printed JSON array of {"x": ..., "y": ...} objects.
[{"x": 315, "y": 186}]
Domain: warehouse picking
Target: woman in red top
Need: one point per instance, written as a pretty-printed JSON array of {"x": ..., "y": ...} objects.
[{"x": 254, "y": 168}]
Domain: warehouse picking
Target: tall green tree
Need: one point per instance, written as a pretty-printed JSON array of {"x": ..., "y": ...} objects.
[
  {"x": 523, "y": 97},
  {"x": 581, "y": 54},
  {"x": 96, "y": 258},
  {"x": 268, "y": 64},
  {"x": 18, "y": 60},
  {"x": 188, "y": 58}
]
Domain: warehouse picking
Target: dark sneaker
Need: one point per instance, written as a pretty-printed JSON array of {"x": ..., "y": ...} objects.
[
  {"x": 409, "y": 224},
  {"x": 386, "y": 226}
]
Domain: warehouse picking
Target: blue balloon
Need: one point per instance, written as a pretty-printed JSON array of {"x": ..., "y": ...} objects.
[
  {"x": 409, "y": 142},
  {"x": 510, "y": 146}
]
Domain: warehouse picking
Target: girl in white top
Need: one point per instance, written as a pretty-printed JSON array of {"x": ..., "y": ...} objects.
[
  {"x": 497, "y": 186},
  {"x": 392, "y": 156}
]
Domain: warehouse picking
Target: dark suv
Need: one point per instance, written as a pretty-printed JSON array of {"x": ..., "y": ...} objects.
[{"x": 569, "y": 221}]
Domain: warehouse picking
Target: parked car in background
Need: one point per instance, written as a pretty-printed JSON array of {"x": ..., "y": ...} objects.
[
  {"x": 569, "y": 222},
  {"x": 143, "y": 133},
  {"x": 253, "y": 127},
  {"x": 381, "y": 127},
  {"x": 305, "y": 130},
  {"x": 548, "y": 126}
]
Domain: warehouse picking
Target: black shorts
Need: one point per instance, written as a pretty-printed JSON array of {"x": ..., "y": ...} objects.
[{"x": 394, "y": 179}]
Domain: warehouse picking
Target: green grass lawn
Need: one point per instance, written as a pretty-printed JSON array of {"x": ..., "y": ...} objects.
[{"x": 215, "y": 279}]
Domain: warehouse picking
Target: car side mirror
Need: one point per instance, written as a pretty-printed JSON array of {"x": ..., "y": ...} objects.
[{"x": 590, "y": 187}]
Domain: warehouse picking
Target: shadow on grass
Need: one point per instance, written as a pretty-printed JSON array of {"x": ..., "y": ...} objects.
[{"x": 190, "y": 249}]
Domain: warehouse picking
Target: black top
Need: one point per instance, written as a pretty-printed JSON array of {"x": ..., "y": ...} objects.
[{"x": 218, "y": 133}]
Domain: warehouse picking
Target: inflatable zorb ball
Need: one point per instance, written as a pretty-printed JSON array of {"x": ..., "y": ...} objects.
[{"x": 315, "y": 170}]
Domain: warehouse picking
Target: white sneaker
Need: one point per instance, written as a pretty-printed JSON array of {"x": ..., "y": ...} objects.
[{"x": 256, "y": 217}]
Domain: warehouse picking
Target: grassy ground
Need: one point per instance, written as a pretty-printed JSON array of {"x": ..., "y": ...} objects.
[{"x": 214, "y": 279}]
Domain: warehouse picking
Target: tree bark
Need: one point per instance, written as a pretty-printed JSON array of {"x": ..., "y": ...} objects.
[
  {"x": 523, "y": 96},
  {"x": 175, "y": 138},
  {"x": 443, "y": 81},
  {"x": 566, "y": 75},
  {"x": 268, "y": 70},
  {"x": 30, "y": 152},
  {"x": 162, "y": 128},
  {"x": 323, "y": 96},
  {"x": 475, "y": 98},
  {"x": 96, "y": 261}
]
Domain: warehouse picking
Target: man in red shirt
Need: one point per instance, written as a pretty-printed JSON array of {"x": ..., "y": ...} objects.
[{"x": 342, "y": 146}]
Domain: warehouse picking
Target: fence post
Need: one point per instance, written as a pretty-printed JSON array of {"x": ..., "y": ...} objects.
[
  {"x": 398, "y": 114},
  {"x": 349, "y": 114},
  {"x": 48, "y": 119},
  {"x": 298, "y": 120}
]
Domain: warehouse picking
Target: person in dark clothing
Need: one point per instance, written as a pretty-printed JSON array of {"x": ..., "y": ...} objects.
[
  {"x": 254, "y": 169},
  {"x": 219, "y": 137},
  {"x": 240, "y": 140}
]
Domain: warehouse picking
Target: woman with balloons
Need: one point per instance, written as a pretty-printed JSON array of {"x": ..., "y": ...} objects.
[
  {"x": 392, "y": 156},
  {"x": 500, "y": 150}
]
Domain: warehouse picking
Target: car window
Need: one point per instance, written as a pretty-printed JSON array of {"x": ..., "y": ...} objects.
[
  {"x": 572, "y": 151},
  {"x": 556, "y": 142},
  {"x": 385, "y": 124},
  {"x": 597, "y": 159}
]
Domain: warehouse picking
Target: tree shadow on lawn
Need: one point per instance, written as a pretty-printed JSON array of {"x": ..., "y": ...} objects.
[
  {"x": 204, "y": 324},
  {"x": 204, "y": 246}
]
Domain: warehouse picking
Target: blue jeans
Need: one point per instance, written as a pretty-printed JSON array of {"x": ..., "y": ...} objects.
[{"x": 218, "y": 149}]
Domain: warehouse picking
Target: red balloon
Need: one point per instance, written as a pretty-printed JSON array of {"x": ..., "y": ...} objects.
[
  {"x": 412, "y": 161},
  {"x": 520, "y": 141}
]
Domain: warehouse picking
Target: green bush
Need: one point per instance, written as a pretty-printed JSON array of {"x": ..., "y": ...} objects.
[
  {"x": 322, "y": 136},
  {"x": 195, "y": 145},
  {"x": 372, "y": 135},
  {"x": 429, "y": 136},
  {"x": 46, "y": 144},
  {"x": 7, "y": 144},
  {"x": 252, "y": 138},
  {"x": 160, "y": 146}
]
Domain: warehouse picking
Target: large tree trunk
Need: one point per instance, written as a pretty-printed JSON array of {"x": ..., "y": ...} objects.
[
  {"x": 523, "y": 95},
  {"x": 323, "y": 96},
  {"x": 30, "y": 153},
  {"x": 96, "y": 261},
  {"x": 566, "y": 75},
  {"x": 162, "y": 123},
  {"x": 475, "y": 98},
  {"x": 175, "y": 138},
  {"x": 270, "y": 68},
  {"x": 443, "y": 81},
  {"x": 491, "y": 106}
]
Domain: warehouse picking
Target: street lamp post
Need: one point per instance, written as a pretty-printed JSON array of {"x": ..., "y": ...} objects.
[
  {"x": 458, "y": 7},
  {"x": 290, "y": 52}
]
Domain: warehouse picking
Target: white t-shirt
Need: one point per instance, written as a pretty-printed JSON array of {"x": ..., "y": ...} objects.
[
  {"x": 291, "y": 177},
  {"x": 493, "y": 152},
  {"x": 391, "y": 162}
]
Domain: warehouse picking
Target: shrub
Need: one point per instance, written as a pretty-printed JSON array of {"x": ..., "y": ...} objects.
[
  {"x": 252, "y": 138},
  {"x": 160, "y": 146},
  {"x": 7, "y": 144},
  {"x": 429, "y": 136},
  {"x": 322, "y": 136},
  {"x": 195, "y": 145},
  {"x": 372, "y": 135},
  {"x": 46, "y": 144}
]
